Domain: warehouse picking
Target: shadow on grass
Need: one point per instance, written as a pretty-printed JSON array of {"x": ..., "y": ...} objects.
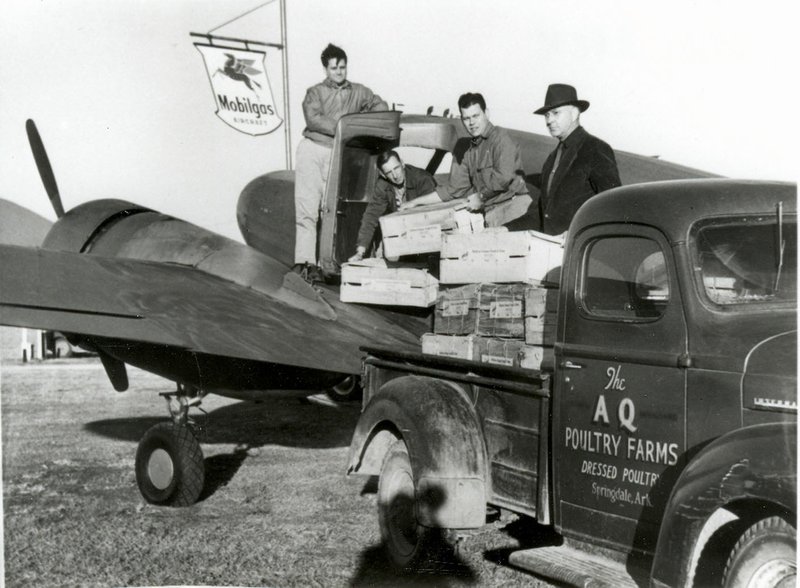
[
  {"x": 527, "y": 533},
  {"x": 288, "y": 422},
  {"x": 448, "y": 569},
  {"x": 220, "y": 470}
]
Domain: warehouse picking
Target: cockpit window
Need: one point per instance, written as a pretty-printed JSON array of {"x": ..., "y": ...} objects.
[
  {"x": 740, "y": 261},
  {"x": 422, "y": 157},
  {"x": 625, "y": 278}
]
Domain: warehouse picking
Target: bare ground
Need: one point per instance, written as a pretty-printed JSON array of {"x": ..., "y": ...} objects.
[{"x": 276, "y": 510}]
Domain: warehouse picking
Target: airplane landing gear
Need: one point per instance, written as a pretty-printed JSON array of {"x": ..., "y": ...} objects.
[
  {"x": 348, "y": 390},
  {"x": 169, "y": 461}
]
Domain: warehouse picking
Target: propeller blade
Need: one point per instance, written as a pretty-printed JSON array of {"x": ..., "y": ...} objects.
[{"x": 44, "y": 167}]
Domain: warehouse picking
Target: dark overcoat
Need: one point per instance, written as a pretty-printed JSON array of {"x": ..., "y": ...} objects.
[{"x": 587, "y": 167}]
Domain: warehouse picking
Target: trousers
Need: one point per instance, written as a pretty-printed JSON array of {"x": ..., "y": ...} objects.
[{"x": 310, "y": 177}]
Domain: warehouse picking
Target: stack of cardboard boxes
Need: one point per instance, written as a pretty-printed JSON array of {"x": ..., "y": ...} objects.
[
  {"x": 497, "y": 291},
  {"x": 505, "y": 311},
  {"x": 410, "y": 232}
]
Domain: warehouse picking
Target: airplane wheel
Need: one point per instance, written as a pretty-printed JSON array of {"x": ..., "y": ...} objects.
[
  {"x": 348, "y": 390},
  {"x": 62, "y": 347},
  {"x": 169, "y": 466},
  {"x": 408, "y": 544},
  {"x": 763, "y": 557}
]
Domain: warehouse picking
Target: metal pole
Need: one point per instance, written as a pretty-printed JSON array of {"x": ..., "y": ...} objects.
[{"x": 287, "y": 127}]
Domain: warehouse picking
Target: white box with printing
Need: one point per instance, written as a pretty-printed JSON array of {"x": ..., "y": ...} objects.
[
  {"x": 420, "y": 229},
  {"x": 460, "y": 346},
  {"x": 370, "y": 283},
  {"x": 501, "y": 256}
]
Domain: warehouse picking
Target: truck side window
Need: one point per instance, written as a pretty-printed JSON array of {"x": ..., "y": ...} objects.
[{"x": 624, "y": 277}]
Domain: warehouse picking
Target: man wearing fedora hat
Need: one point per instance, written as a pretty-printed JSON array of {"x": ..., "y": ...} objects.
[{"x": 580, "y": 167}]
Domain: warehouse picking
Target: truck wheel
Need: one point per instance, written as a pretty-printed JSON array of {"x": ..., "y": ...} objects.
[
  {"x": 348, "y": 390},
  {"x": 408, "y": 544},
  {"x": 763, "y": 557},
  {"x": 169, "y": 466}
]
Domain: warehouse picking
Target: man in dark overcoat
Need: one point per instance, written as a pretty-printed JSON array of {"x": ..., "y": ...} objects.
[{"x": 580, "y": 167}]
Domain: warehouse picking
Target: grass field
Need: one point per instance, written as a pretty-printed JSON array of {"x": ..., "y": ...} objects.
[{"x": 276, "y": 510}]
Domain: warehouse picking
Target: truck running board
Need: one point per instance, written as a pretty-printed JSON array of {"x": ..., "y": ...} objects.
[{"x": 576, "y": 567}]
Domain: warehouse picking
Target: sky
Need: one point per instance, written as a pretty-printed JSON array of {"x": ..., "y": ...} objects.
[{"x": 123, "y": 102}]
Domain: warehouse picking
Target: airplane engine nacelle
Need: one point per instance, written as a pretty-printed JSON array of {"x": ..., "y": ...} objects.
[
  {"x": 117, "y": 228},
  {"x": 76, "y": 230},
  {"x": 265, "y": 213}
]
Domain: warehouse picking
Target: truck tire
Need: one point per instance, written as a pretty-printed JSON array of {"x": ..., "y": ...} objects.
[
  {"x": 764, "y": 557},
  {"x": 169, "y": 466},
  {"x": 408, "y": 544}
]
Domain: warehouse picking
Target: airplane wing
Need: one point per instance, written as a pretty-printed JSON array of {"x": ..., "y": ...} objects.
[
  {"x": 20, "y": 226},
  {"x": 181, "y": 307}
]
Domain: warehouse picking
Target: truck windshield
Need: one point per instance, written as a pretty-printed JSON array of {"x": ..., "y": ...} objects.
[{"x": 738, "y": 260}]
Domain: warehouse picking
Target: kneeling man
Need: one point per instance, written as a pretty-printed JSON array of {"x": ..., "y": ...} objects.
[{"x": 398, "y": 183}]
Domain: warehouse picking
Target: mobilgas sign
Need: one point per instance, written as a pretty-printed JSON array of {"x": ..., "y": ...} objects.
[{"x": 241, "y": 88}]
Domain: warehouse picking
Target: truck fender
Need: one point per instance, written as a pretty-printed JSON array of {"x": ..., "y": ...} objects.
[
  {"x": 439, "y": 426},
  {"x": 752, "y": 472}
]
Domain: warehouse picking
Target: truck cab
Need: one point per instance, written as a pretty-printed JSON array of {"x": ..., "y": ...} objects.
[{"x": 668, "y": 422}]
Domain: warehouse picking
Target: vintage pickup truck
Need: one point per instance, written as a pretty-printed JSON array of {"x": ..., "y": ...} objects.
[{"x": 661, "y": 446}]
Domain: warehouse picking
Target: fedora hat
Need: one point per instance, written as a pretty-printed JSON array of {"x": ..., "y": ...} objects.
[{"x": 559, "y": 95}]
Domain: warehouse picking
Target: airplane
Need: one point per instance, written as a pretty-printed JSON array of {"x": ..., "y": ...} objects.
[{"x": 217, "y": 316}]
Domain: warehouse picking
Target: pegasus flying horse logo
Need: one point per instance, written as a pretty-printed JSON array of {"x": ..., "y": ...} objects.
[{"x": 240, "y": 70}]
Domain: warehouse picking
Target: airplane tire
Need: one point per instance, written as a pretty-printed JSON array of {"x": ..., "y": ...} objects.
[
  {"x": 169, "y": 466},
  {"x": 62, "y": 347},
  {"x": 348, "y": 390},
  {"x": 409, "y": 546},
  {"x": 763, "y": 557}
]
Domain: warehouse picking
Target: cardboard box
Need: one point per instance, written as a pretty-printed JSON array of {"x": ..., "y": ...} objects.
[
  {"x": 420, "y": 229},
  {"x": 536, "y": 357},
  {"x": 540, "y": 330},
  {"x": 490, "y": 310},
  {"x": 540, "y": 301},
  {"x": 374, "y": 283},
  {"x": 501, "y": 256},
  {"x": 456, "y": 310},
  {"x": 499, "y": 351},
  {"x": 540, "y": 315},
  {"x": 500, "y": 310},
  {"x": 507, "y": 352},
  {"x": 460, "y": 346},
  {"x": 474, "y": 348}
]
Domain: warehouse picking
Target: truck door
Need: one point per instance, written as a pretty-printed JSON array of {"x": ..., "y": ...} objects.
[{"x": 620, "y": 393}]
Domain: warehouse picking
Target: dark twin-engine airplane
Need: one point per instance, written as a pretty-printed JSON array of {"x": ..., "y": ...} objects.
[{"x": 218, "y": 316}]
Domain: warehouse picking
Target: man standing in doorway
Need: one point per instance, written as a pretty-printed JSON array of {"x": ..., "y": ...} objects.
[
  {"x": 580, "y": 167},
  {"x": 323, "y": 105}
]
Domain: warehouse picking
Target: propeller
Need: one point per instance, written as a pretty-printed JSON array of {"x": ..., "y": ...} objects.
[{"x": 44, "y": 167}]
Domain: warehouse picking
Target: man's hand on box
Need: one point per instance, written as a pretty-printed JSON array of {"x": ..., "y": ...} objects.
[
  {"x": 474, "y": 202},
  {"x": 359, "y": 254}
]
